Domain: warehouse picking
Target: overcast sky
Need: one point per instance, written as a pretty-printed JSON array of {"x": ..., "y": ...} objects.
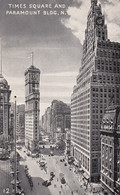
[{"x": 56, "y": 42}]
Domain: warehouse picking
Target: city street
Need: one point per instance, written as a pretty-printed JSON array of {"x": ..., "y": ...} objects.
[{"x": 72, "y": 185}]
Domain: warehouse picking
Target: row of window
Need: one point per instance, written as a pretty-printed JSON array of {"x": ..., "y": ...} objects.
[
  {"x": 107, "y": 53},
  {"x": 108, "y": 45},
  {"x": 84, "y": 161},
  {"x": 110, "y": 69},
  {"x": 108, "y": 182},
  {"x": 106, "y": 79}
]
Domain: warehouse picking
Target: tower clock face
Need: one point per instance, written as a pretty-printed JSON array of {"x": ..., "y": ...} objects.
[{"x": 99, "y": 21}]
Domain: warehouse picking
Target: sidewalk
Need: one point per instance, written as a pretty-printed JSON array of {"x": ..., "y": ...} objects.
[{"x": 92, "y": 188}]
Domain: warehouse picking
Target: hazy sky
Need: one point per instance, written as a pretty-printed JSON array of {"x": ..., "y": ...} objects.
[{"x": 56, "y": 42}]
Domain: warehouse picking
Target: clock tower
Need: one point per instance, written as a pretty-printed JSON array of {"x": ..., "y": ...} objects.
[{"x": 32, "y": 101}]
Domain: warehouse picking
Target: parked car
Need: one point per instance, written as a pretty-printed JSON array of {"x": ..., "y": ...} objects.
[
  {"x": 52, "y": 173},
  {"x": 42, "y": 164},
  {"x": 28, "y": 154},
  {"x": 51, "y": 178},
  {"x": 63, "y": 180},
  {"x": 62, "y": 160},
  {"x": 46, "y": 183}
]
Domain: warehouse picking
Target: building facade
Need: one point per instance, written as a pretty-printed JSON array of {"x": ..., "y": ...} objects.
[
  {"x": 98, "y": 82},
  {"x": 48, "y": 119},
  {"x": 20, "y": 122},
  {"x": 32, "y": 101},
  {"x": 57, "y": 119},
  {"x": 110, "y": 151},
  {"x": 4, "y": 106},
  {"x": 68, "y": 144},
  {"x": 60, "y": 113}
]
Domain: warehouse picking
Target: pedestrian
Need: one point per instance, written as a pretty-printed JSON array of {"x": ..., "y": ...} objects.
[{"x": 38, "y": 183}]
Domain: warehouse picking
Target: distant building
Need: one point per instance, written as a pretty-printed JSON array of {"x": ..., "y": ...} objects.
[
  {"x": 32, "y": 110},
  {"x": 4, "y": 106},
  {"x": 46, "y": 121},
  {"x": 48, "y": 118},
  {"x": 98, "y": 82},
  {"x": 110, "y": 151},
  {"x": 68, "y": 143},
  {"x": 60, "y": 116},
  {"x": 20, "y": 120},
  {"x": 56, "y": 119}
]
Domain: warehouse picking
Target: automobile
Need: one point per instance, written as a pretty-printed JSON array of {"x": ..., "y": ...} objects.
[
  {"x": 28, "y": 154},
  {"x": 42, "y": 164},
  {"x": 33, "y": 155},
  {"x": 52, "y": 173},
  {"x": 70, "y": 168},
  {"x": 19, "y": 147},
  {"x": 46, "y": 183},
  {"x": 62, "y": 160},
  {"x": 51, "y": 179},
  {"x": 37, "y": 155},
  {"x": 26, "y": 167},
  {"x": 63, "y": 180}
]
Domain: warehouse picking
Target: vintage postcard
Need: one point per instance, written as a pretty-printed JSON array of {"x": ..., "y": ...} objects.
[{"x": 59, "y": 97}]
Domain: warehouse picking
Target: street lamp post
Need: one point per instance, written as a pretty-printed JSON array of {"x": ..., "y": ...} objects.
[
  {"x": 3, "y": 114},
  {"x": 15, "y": 149}
]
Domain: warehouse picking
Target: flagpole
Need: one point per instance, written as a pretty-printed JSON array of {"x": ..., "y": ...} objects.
[
  {"x": 32, "y": 57},
  {"x": 1, "y": 54}
]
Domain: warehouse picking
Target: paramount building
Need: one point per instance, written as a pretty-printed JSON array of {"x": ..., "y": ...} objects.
[{"x": 98, "y": 83}]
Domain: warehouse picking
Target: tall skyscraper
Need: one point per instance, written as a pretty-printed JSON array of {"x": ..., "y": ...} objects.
[
  {"x": 32, "y": 101},
  {"x": 4, "y": 106},
  {"x": 98, "y": 83}
]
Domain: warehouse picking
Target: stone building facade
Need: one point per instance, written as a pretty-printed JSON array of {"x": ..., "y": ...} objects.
[
  {"x": 4, "y": 106},
  {"x": 110, "y": 151},
  {"x": 57, "y": 119},
  {"x": 32, "y": 110},
  {"x": 20, "y": 126},
  {"x": 98, "y": 82}
]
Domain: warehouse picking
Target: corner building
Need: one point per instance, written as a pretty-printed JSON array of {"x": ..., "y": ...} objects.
[
  {"x": 32, "y": 100},
  {"x": 110, "y": 151},
  {"x": 4, "y": 106},
  {"x": 98, "y": 82}
]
